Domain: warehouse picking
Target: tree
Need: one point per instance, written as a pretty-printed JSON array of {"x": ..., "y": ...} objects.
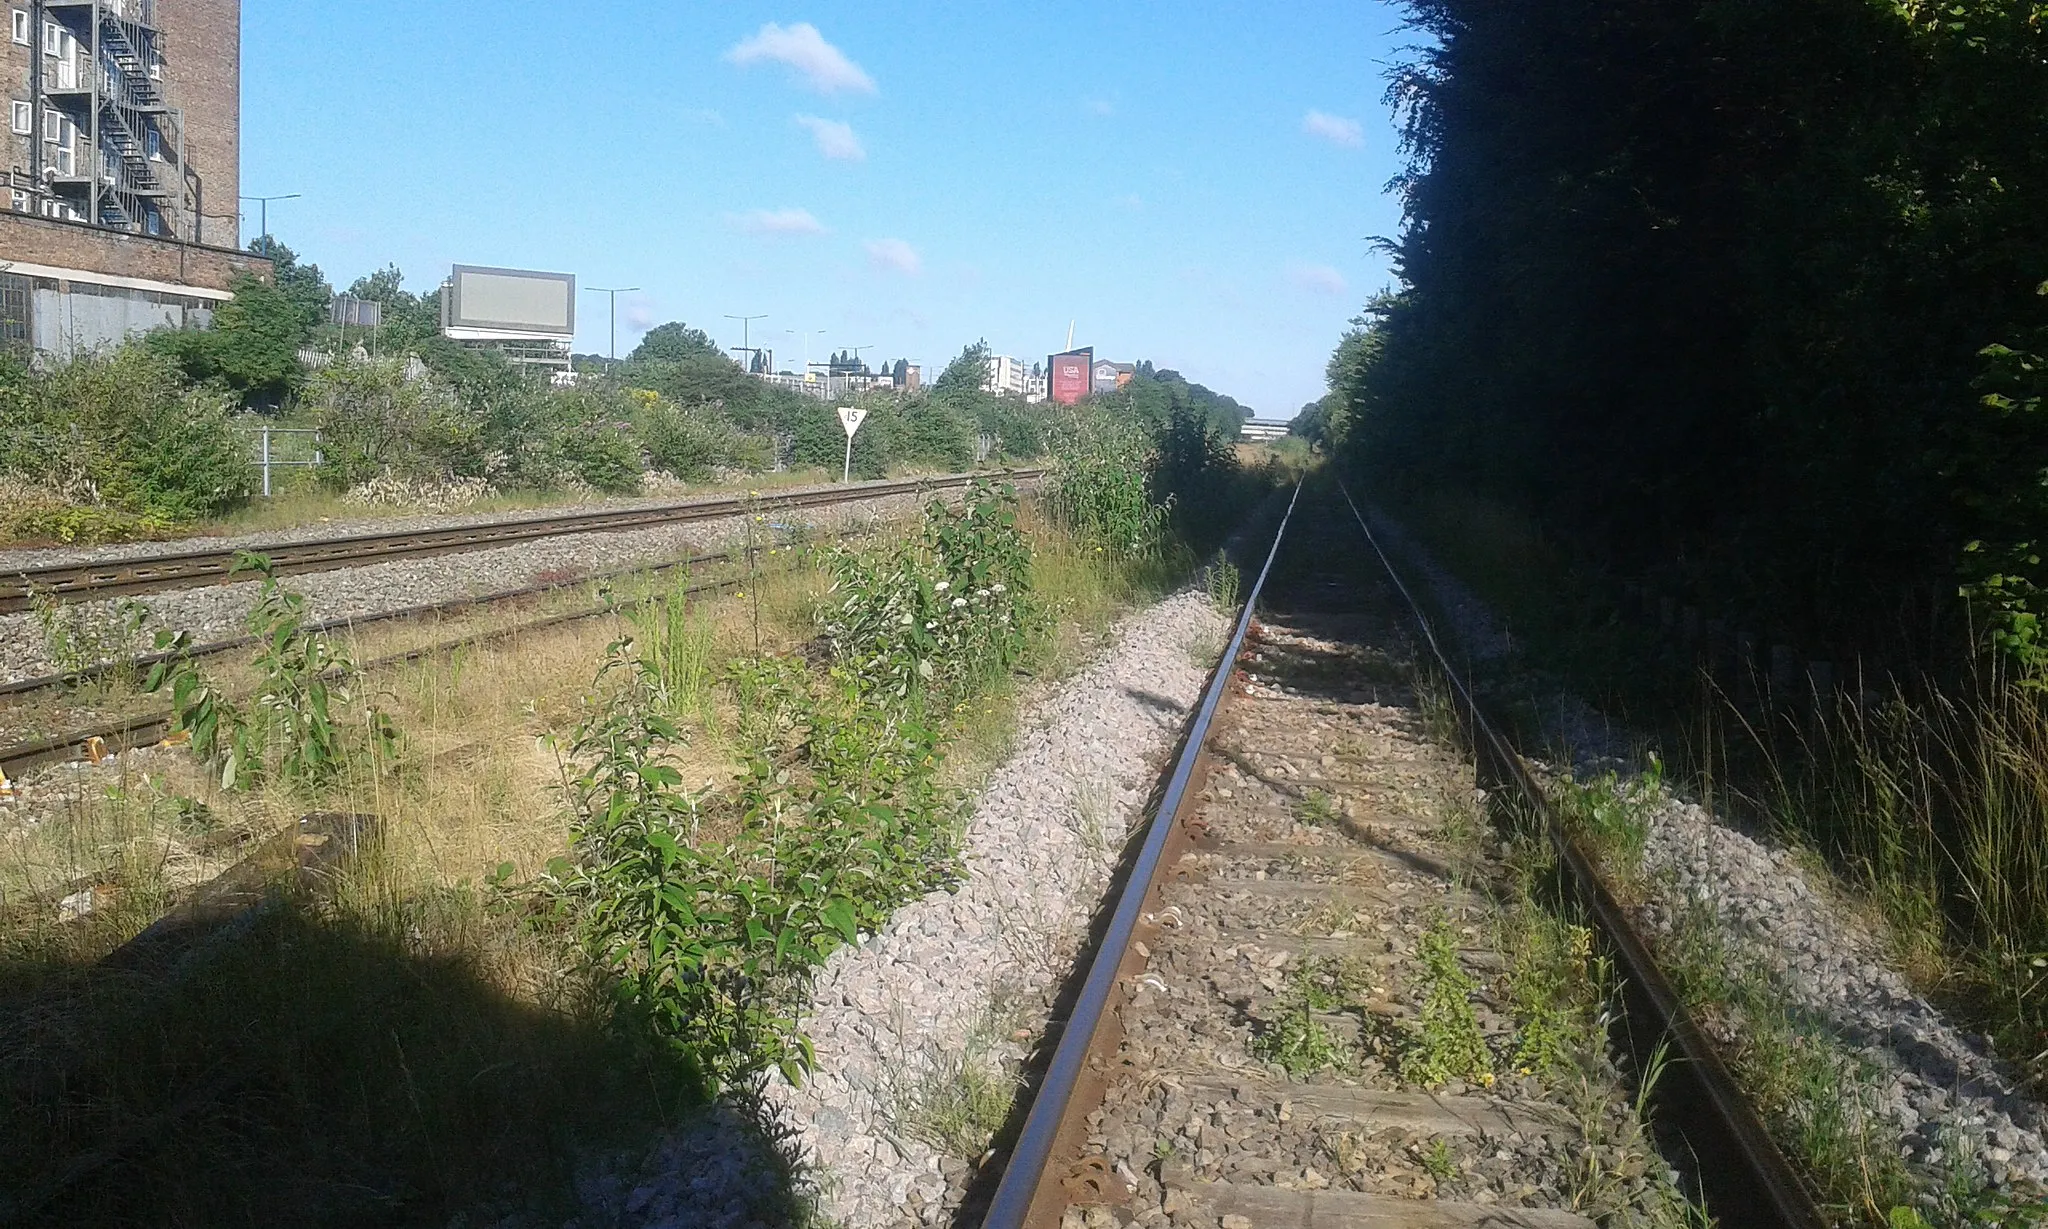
[
  {"x": 966, "y": 374},
  {"x": 302, "y": 285},
  {"x": 411, "y": 320},
  {"x": 252, "y": 348},
  {"x": 674, "y": 342}
]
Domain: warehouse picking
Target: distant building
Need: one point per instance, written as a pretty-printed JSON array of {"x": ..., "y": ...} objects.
[
  {"x": 825, "y": 387},
  {"x": 1007, "y": 377},
  {"x": 123, "y": 168},
  {"x": 1108, "y": 376},
  {"x": 1264, "y": 430}
]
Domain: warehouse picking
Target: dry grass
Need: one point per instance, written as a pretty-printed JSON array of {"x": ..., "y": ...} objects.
[{"x": 400, "y": 1044}]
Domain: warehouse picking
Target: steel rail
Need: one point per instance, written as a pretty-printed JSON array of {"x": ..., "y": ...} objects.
[
  {"x": 146, "y": 573},
  {"x": 45, "y": 682},
  {"x": 1028, "y": 1160},
  {"x": 131, "y": 732},
  {"x": 1743, "y": 1175}
]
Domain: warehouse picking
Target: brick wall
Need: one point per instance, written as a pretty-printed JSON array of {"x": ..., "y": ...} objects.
[
  {"x": 74, "y": 245},
  {"x": 202, "y": 50},
  {"x": 14, "y": 67}
]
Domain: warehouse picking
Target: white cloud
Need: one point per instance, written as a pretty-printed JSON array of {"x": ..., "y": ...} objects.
[
  {"x": 806, "y": 53},
  {"x": 1101, "y": 106},
  {"x": 834, "y": 139},
  {"x": 1317, "y": 279},
  {"x": 639, "y": 315},
  {"x": 895, "y": 256},
  {"x": 780, "y": 222},
  {"x": 1334, "y": 128}
]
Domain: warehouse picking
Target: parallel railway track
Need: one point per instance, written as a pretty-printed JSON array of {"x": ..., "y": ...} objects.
[
  {"x": 185, "y": 569},
  {"x": 1289, "y": 842}
]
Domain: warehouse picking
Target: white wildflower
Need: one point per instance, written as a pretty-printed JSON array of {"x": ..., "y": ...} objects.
[
  {"x": 1000, "y": 589},
  {"x": 981, "y": 593},
  {"x": 931, "y": 627},
  {"x": 942, "y": 586},
  {"x": 958, "y": 602}
]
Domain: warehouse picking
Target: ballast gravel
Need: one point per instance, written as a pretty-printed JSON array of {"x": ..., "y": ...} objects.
[
  {"x": 968, "y": 976},
  {"x": 1956, "y": 1107},
  {"x": 217, "y": 612}
]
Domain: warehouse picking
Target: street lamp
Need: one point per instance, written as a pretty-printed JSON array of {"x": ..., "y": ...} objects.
[
  {"x": 806, "y": 334},
  {"x": 265, "y": 204},
  {"x": 614, "y": 292},
  {"x": 745, "y": 336}
]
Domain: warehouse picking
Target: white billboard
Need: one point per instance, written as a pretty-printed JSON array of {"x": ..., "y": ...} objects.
[{"x": 482, "y": 302}]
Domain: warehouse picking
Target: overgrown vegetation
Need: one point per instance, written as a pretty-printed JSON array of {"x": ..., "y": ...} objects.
[
  {"x": 145, "y": 437},
  {"x": 1771, "y": 352}
]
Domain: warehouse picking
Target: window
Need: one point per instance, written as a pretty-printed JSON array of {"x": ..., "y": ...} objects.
[
  {"x": 153, "y": 222},
  {"x": 21, "y": 200},
  {"x": 53, "y": 126},
  {"x": 155, "y": 142},
  {"x": 22, "y": 118},
  {"x": 22, "y": 27},
  {"x": 53, "y": 38},
  {"x": 67, "y": 162}
]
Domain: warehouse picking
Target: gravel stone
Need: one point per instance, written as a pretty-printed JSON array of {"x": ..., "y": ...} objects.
[{"x": 217, "y": 612}]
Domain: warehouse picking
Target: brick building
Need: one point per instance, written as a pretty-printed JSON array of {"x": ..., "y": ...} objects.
[{"x": 123, "y": 157}]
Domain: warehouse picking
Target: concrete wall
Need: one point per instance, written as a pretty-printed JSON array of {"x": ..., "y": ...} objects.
[{"x": 83, "y": 319}]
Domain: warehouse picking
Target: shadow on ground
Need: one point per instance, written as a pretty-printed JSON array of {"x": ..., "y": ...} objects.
[{"x": 310, "y": 1068}]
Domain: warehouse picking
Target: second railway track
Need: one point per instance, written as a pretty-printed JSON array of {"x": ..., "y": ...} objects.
[
  {"x": 1300, "y": 1013},
  {"x": 144, "y": 572}
]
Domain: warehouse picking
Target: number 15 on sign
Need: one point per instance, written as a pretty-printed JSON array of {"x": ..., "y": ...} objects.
[{"x": 851, "y": 419}]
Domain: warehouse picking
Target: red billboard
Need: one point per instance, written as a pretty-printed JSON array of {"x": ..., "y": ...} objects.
[{"x": 1071, "y": 374}]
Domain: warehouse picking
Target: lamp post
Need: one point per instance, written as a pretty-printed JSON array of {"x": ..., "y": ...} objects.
[
  {"x": 264, "y": 203},
  {"x": 614, "y": 292},
  {"x": 806, "y": 334},
  {"x": 745, "y": 335}
]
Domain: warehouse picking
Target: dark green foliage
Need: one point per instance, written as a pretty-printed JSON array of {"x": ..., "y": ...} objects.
[
  {"x": 675, "y": 342},
  {"x": 123, "y": 430},
  {"x": 1703, "y": 286},
  {"x": 252, "y": 348},
  {"x": 934, "y": 433},
  {"x": 691, "y": 443},
  {"x": 303, "y": 286}
]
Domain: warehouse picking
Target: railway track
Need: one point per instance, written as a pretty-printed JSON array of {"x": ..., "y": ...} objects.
[
  {"x": 1270, "y": 1031},
  {"x": 124, "y": 734},
  {"x": 155, "y": 573}
]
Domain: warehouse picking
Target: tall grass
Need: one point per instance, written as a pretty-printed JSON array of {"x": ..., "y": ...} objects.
[
  {"x": 677, "y": 640},
  {"x": 1933, "y": 803}
]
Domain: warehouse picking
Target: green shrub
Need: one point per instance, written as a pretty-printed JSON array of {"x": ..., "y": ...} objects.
[
  {"x": 373, "y": 420},
  {"x": 120, "y": 430},
  {"x": 692, "y": 443}
]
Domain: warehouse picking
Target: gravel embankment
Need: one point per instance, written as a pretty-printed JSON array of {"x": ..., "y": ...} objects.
[
  {"x": 977, "y": 967},
  {"x": 217, "y": 611},
  {"x": 1940, "y": 1085}
]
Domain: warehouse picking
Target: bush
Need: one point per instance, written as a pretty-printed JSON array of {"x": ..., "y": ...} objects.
[
  {"x": 374, "y": 420},
  {"x": 692, "y": 443},
  {"x": 121, "y": 430}
]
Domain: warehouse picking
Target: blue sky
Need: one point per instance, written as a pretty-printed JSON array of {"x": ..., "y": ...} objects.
[{"x": 1195, "y": 185}]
